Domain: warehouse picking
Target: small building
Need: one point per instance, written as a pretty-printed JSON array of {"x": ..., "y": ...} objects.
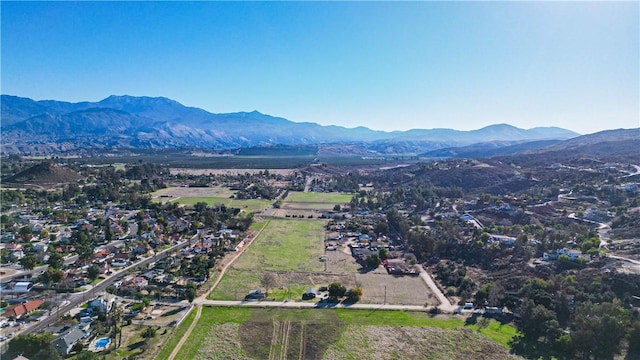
[
  {"x": 572, "y": 255},
  {"x": 64, "y": 343},
  {"x": 22, "y": 287}
]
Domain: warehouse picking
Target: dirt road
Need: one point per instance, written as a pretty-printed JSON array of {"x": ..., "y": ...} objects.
[{"x": 186, "y": 334}]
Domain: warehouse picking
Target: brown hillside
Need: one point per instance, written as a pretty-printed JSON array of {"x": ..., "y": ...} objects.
[{"x": 43, "y": 174}]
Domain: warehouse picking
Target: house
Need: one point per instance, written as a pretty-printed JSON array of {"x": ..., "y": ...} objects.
[
  {"x": 18, "y": 311},
  {"x": 502, "y": 239},
  {"x": 493, "y": 310},
  {"x": 466, "y": 217},
  {"x": 573, "y": 255},
  {"x": 99, "y": 305},
  {"x": 64, "y": 343},
  {"x": 138, "y": 282}
]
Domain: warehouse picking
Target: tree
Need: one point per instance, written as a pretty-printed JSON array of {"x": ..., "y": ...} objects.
[
  {"x": 373, "y": 260},
  {"x": 25, "y": 232},
  {"x": 29, "y": 262},
  {"x": 539, "y": 330},
  {"x": 268, "y": 281},
  {"x": 86, "y": 355},
  {"x": 85, "y": 252},
  {"x": 93, "y": 271},
  {"x": 116, "y": 315},
  {"x": 56, "y": 260},
  {"x": 633, "y": 352},
  {"x": 52, "y": 275},
  {"x": 599, "y": 329},
  {"x": 149, "y": 333},
  {"x": 77, "y": 347},
  {"x": 32, "y": 346},
  {"x": 337, "y": 290},
  {"x": 383, "y": 254},
  {"x": 190, "y": 291}
]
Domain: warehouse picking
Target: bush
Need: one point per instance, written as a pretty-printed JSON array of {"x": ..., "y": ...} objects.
[{"x": 355, "y": 294}]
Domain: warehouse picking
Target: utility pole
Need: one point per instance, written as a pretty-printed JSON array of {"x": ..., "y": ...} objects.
[{"x": 385, "y": 294}]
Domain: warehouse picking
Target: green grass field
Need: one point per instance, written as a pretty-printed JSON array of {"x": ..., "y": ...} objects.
[
  {"x": 286, "y": 245},
  {"x": 317, "y": 197},
  {"x": 283, "y": 245},
  {"x": 252, "y": 330}
]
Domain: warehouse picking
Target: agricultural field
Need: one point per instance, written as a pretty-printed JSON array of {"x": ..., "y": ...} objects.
[
  {"x": 209, "y": 195},
  {"x": 317, "y": 197},
  {"x": 244, "y": 333},
  {"x": 284, "y": 247},
  {"x": 305, "y": 204}
]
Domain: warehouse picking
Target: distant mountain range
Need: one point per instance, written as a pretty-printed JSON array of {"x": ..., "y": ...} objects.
[{"x": 48, "y": 127}]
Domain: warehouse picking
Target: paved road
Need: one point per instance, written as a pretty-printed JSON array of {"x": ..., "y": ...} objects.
[
  {"x": 15, "y": 271},
  {"x": 318, "y": 305},
  {"x": 76, "y": 299}
]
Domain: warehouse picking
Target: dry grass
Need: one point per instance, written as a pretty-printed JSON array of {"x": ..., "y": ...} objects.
[
  {"x": 224, "y": 339},
  {"x": 385, "y": 342},
  {"x": 324, "y": 334}
]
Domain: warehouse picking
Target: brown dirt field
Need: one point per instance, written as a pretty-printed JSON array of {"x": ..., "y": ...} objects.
[
  {"x": 341, "y": 261},
  {"x": 403, "y": 290}
]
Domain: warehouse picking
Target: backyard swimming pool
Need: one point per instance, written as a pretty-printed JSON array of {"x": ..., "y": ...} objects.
[{"x": 102, "y": 343}]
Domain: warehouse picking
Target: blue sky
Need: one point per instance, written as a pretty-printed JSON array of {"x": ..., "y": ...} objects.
[{"x": 384, "y": 65}]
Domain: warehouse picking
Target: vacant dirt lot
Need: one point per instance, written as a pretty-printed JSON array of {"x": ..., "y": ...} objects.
[{"x": 405, "y": 290}]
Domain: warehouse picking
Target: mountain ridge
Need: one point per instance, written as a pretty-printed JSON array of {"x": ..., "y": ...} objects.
[{"x": 158, "y": 122}]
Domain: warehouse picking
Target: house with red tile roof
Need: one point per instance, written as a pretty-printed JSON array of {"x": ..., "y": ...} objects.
[{"x": 20, "y": 310}]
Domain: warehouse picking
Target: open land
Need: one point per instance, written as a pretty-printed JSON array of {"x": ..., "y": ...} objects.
[
  {"x": 285, "y": 247},
  {"x": 317, "y": 197},
  {"x": 242, "y": 333},
  {"x": 310, "y": 203},
  {"x": 210, "y": 195}
]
